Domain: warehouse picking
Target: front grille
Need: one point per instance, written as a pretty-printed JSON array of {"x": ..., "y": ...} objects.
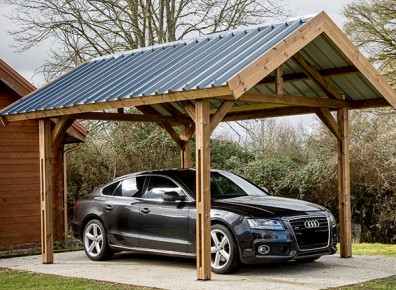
[{"x": 311, "y": 238}]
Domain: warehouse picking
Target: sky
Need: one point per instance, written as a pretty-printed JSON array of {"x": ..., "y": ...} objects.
[{"x": 27, "y": 62}]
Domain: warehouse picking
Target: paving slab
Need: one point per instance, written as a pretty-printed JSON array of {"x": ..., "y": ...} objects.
[{"x": 178, "y": 273}]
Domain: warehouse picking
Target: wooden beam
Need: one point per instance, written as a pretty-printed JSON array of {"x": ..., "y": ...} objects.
[
  {"x": 127, "y": 102},
  {"x": 280, "y": 53},
  {"x": 293, "y": 100},
  {"x": 358, "y": 60},
  {"x": 61, "y": 126},
  {"x": 367, "y": 104},
  {"x": 279, "y": 80},
  {"x": 185, "y": 152},
  {"x": 203, "y": 189},
  {"x": 220, "y": 113},
  {"x": 47, "y": 239},
  {"x": 344, "y": 190},
  {"x": 327, "y": 118},
  {"x": 120, "y": 110},
  {"x": 3, "y": 120},
  {"x": 153, "y": 118},
  {"x": 174, "y": 135},
  {"x": 316, "y": 77},
  {"x": 190, "y": 109},
  {"x": 300, "y": 76},
  {"x": 268, "y": 113}
]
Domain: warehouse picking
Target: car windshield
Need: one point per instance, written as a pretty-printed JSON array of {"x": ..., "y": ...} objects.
[{"x": 224, "y": 185}]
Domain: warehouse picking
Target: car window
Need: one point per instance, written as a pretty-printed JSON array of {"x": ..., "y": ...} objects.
[
  {"x": 159, "y": 185},
  {"x": 131, "y": 187},
  {"x": 108, "y": 190}
]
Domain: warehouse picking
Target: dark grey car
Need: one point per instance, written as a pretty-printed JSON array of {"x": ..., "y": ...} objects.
[{"x": 154, "y": 212}]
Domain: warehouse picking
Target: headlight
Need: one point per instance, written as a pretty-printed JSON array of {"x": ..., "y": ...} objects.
[
  {"x": 265, "y": 224},
  {"x": 332, "y": 219}
]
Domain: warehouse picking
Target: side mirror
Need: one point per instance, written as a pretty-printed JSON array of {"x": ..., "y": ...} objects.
[{"x": 172, "y": 196}]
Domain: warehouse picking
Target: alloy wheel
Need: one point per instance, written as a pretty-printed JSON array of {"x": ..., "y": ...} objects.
[
  {"x": 220, "y": 249},
  {"x": 93, "y": 240}
]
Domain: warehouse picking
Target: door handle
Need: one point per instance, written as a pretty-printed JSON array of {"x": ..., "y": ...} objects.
[
  {"x": 109, "y": 207},
  {"x": 145, "y": 210}
]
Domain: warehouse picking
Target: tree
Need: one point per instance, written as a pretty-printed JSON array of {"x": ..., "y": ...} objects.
[
  {"x": 84, "y": 29},
  {"x": 372, "y": 27}
]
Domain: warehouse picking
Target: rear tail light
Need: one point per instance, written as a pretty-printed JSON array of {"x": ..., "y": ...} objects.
[{"x": 75, "y": 208}]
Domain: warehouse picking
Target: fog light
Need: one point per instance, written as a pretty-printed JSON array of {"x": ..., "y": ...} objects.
[{"x": 264, "y": 249}]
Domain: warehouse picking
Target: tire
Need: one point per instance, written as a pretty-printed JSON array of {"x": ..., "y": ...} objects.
[
  {"x": 224, "y": 254},
  {"x": 95, "y": 242}
]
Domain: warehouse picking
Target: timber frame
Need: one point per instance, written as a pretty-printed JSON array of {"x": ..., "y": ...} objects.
[{"x": 189, "y": 112}]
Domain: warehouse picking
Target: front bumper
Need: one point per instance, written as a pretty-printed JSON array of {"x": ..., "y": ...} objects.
[{"x": 284, "y": 246}]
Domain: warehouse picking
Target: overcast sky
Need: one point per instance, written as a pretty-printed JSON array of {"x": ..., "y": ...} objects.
[{"x": 25, "y": 63}]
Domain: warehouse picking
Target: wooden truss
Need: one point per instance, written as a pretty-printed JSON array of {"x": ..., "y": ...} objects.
[{"x": 190, "y": 112}]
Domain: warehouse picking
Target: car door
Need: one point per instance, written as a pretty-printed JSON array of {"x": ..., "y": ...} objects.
[
  {"x": 163, "y": 224},
  {"x": 122, "y": 212}
]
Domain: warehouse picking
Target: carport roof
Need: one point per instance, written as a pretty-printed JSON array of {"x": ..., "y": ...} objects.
[{"x": 235, "y": 65}]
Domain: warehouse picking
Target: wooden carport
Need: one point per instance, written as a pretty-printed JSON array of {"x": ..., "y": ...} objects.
[{"x": 304, "y": 65}]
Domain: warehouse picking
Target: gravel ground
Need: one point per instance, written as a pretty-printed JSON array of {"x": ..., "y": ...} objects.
[{"x": 177, "y": 273}]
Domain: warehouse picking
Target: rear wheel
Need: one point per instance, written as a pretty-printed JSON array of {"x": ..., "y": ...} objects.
[
  {"x": 224, "y": 257},
  {"x": 95, "y": 241}
]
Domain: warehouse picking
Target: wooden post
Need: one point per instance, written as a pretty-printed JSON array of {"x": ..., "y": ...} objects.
[
  {"x": 185, "y": 151},
  {"x": 203, "y": 189},
  {"x": 344, "y": 188},
  {"x": 47, "y": 239}
]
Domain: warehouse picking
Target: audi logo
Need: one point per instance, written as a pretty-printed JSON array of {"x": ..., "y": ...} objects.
[{"x": 312, "y": 224}]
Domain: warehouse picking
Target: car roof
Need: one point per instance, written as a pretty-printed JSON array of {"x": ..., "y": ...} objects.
[{"x": 167, "y": 172}]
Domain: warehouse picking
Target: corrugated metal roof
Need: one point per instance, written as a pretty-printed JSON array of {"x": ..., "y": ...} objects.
[
  {"x": 203, "y": 62},
  {"x": 199, "y": 63}
]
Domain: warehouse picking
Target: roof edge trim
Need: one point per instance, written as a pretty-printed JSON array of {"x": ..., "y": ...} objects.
[
  {"x": 269, "y": 61},
  {"x": 359, "y": 60}
]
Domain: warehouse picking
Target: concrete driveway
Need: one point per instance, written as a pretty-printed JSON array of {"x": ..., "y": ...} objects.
[{"x": 177, "y": 273}]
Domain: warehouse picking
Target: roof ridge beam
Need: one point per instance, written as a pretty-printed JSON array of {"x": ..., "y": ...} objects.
[{"x": 316, "y": 77}]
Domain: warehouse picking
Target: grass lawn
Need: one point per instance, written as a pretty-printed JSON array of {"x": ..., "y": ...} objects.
[
  {"x": 374, "y": 249},
  {"x": 10, "y": 279}
]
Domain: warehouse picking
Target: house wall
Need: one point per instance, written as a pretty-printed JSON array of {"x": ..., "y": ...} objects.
[{"x": 20, "y": 183}]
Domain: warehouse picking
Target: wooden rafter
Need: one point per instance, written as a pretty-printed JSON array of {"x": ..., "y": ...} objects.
[
  {"x": 153, "y": 118},
  {"x": 327, "y": 118},
  {"x": 300, "y": 76},
  {"x": 120, "y": 110},
  {"x": 61, "y": 127},
  {"x": 316, "y": 77},
  {"x": 220, "y": 113}
]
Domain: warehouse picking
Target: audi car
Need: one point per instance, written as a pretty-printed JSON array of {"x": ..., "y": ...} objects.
[{"x": 155, "y": 212}]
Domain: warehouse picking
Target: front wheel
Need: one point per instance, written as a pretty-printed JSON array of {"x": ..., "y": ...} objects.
[
  {"x": 224, "y": 257},
  {"x": 95, "y": 241}
]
